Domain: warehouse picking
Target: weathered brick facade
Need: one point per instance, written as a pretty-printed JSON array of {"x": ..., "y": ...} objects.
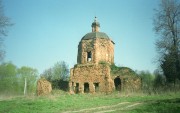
[
  {"x": 92, "y": 73},
  {"x": 126, "y": 79},
  {"x": 91, "y": 78},
  {"x": 99, "y": 49}
]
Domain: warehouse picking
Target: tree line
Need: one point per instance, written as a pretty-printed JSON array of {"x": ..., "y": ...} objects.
[
  {"x": 166, "y": 23},
  {"x": 13, "y": 79}
]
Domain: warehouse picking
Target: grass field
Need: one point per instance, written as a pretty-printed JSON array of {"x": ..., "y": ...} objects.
[{"x": 92, "y": 103}]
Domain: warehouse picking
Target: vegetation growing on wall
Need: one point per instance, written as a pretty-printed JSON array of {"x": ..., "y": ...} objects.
[{"x": 124, "y": 71}]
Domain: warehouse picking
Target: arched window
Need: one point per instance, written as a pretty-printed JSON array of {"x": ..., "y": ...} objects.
[{"x": 89, "y": 56}]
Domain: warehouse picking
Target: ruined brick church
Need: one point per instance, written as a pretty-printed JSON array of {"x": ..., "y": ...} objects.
[{"x": 92, "y": 73}]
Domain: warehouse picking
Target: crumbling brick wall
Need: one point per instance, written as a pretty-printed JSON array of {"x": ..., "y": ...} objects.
[
  {"x": 43, "y": 87},
  {"x": 101, "y": 50},
  {"x": 96, "y": 76},
  {"x": 104, "y": 51},
  {"x": 129, "y": 80},
  {"x": 132, "y": 84}
]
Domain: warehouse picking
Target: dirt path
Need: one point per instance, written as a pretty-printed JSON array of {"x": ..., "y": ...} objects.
[{"x": 110, "y": 108}]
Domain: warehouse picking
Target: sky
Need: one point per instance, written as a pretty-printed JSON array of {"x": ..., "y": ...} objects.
[{"x": 48, "y": 31}]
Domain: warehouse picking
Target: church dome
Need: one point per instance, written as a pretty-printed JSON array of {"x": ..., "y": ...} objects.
[
  {"x": 93, "y": 35},
  {"x": 95, "y": 32}
]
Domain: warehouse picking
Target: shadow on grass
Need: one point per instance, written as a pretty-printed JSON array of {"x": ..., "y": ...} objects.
[{"x": 159, "y": 106}]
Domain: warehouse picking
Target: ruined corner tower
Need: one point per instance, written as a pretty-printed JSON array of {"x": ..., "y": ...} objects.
[{"x": 91, "y": 73}]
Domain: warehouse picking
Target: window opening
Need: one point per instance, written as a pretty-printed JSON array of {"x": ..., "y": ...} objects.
[
  {"x": 96, "y": 85},
  {"x": 72, "y": 88},
  {"x": 89, "y": 56},
  {"x": 77, "y": 88},
  {"x": 86, "y": 88}
]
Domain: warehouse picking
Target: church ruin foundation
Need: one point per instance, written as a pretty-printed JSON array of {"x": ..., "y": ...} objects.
[{"x": 92, "y": 73}]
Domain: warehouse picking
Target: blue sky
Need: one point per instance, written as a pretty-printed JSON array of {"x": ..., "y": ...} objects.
[{"x": 48, "y": 31}]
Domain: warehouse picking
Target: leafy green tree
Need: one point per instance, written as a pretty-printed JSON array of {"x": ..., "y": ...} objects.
[
  {"x": 159, "y": 80},
  {"x": 147, "y": 81},
  {"x": 30, "y": 75},
  {"x": 167, "y": 26},
  {"x": 58, "y": 75},
  {"x": 8, "y": 78},
  {"x": 60, "y": 71},
  {"x": 169, "y": 68},
  {"x": 48, "y": 74},
  {"x": 12, "y": 79}
]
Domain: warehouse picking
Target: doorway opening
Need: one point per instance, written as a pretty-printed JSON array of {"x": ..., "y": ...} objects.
[
  {"x": 117, "y": 83},
  {"x": 86, "y": 87}
]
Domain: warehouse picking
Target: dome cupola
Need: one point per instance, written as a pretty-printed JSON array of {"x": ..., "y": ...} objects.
[
  {"x": 95, "y": 25},
  {"x": 95, "y": 32}
]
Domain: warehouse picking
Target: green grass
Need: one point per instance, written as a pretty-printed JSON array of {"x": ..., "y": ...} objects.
[
  {"x": 60, "y": 102},
  {"x": 169, "y": 105}
]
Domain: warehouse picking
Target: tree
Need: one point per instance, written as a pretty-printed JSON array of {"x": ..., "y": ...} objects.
[
  {"x": 57, "y": 75},
  {"x": 12, "y": 79},
  {"x": 30, "y": 75},
  {"x": 147, "y": 81},
  {"x": 8, "y": 78},
  {"x": 167, "y": 25},
  {"x": 60, "y": 71},
  {"x": 4, "y": 24},
  {"x": 48, "y": 74},
  {"x": 159, "y": 80}
]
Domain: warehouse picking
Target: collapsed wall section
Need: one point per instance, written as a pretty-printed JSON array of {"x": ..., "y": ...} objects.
[{"x": 125, "y": 79}]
